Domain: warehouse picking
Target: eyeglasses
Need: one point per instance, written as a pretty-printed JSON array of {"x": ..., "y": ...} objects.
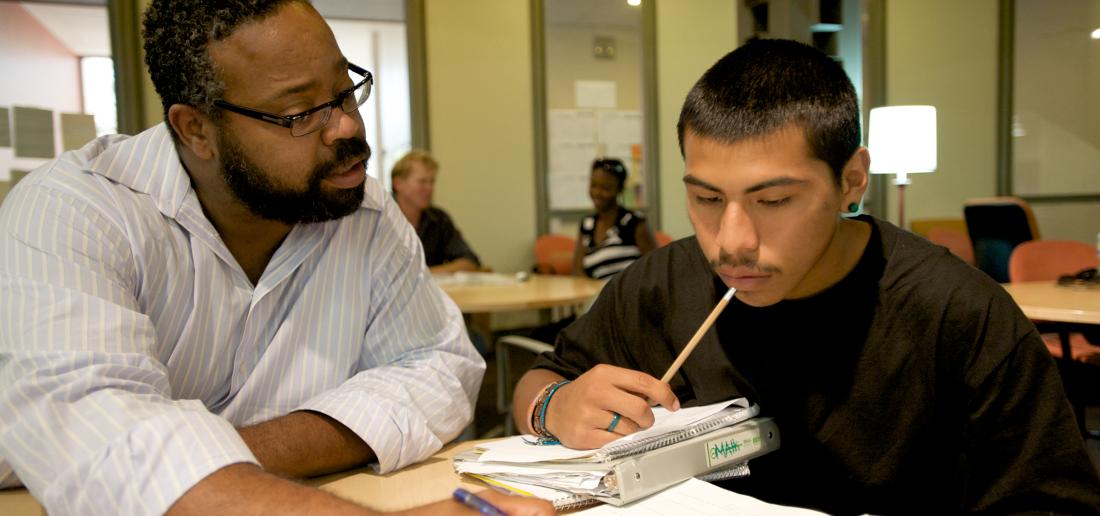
[{"x": 312, "y": 119}]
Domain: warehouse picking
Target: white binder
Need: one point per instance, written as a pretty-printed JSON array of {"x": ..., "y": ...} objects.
[{"x": 634, "y": 472}]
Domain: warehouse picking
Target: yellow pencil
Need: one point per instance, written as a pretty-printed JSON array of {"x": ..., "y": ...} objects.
[{"x": 698, "y": 335}]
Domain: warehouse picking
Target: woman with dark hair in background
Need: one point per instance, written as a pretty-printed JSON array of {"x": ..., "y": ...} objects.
[{"x": 613, "y": 237}]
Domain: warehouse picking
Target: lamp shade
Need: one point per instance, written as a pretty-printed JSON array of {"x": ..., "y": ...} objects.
[{"x": 902, "y": 139}]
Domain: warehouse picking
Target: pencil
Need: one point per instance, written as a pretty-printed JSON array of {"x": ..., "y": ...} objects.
[{"x": 698, "y": 335}]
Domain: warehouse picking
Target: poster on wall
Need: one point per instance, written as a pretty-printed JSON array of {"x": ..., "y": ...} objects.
[
  {"x": 77, "y": 129},
  {"x": 5, "y": 127},
  {"x": 34, "y": 133},
  {"x": 576, "y": 138}
]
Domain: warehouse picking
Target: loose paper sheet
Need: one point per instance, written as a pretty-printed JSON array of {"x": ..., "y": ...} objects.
[{"x": 698, "y": 498}]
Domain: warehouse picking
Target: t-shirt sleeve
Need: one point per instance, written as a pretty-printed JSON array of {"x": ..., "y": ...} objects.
[
  {"x": 456, "y": 246},
  {"x": 1023, "y": 447}
]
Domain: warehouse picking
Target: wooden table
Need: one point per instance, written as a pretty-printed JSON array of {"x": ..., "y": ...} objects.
[
  {"x": 537, "y": 292},
  {"x": 1048, "y": 301},
  {"x": 429, "y": 481}
]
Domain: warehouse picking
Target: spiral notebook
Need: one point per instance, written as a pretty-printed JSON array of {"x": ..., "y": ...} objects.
[
  {"x": 633, "y": 467},
  {"x": 668, "y": 428}
]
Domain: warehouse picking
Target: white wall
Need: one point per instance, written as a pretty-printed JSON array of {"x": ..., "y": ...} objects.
[
  {"x": 569, "y": 58},
  {"x": 38, "y": 71},
  {"x": 944, "y": 53}
]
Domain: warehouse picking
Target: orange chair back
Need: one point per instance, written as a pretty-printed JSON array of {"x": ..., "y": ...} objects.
[
  {"x": 662, "y": 238},
  {"x": 954, "y": 240},
  {"x": 1045, "y": 260},
  {"x": 554, "y": 254}
]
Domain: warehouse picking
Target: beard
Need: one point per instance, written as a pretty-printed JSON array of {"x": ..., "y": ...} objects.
[{"x": 255, "y": 189}]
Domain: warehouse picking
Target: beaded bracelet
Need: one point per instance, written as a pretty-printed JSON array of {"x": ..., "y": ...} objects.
[{"x": 538, "y": 424}]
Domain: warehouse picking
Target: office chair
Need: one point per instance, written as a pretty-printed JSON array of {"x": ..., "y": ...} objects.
[
  {"x": 662, "y": 238},
  {"x": 554, "y": 254},
  {"x": 996, "y": 226}
]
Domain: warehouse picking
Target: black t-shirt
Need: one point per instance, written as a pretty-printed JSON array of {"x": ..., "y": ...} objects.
[
  {"x": 914, "y": 385},
  {"x": 442, "y": 241}
]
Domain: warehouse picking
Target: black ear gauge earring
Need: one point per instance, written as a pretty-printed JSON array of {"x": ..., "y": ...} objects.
[{"x": 853, "y": 207}]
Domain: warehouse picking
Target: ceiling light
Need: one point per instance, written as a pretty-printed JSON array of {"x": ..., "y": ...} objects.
[
  {"x": 1096, "y": 34},
  {"x": 636, "y": 3}
]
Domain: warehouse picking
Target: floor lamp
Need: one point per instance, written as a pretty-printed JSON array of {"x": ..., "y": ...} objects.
[{"x": 902, "y": 141}]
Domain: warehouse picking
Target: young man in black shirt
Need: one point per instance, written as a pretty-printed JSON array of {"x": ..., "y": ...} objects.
[{"x": 902, "y": 380}]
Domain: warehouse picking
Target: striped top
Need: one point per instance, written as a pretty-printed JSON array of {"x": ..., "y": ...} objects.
[
  {"x": 618, "y": 250},
  {"x": 132, "y": 343}
]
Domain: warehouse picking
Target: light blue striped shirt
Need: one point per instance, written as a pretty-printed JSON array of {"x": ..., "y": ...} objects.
[{"x": 132, "y": 343}]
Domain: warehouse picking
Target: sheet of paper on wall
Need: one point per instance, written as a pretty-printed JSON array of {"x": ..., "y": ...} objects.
[
  {"x": 570, "y": 165},
  {"x": 77, "y": 129},
  {"x": 569, "y": 193},
  {"x": 698, "y": 498},
  {"x": 571, "y": 125},
  {"x": 596, "y": 94},
  {"x": 620, "y": 127},
  {"x": 5, "y": 127},
  {"x": 34, "y": 133}
]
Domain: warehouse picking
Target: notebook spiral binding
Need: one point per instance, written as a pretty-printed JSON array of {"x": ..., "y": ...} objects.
[
  {"x": 726, "y": 417},
  {"x": 735, "y": 471}
]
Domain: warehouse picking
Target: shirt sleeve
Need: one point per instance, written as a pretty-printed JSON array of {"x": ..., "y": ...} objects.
[
  {"x": 1023, "y": 446},
  {"x": 87, "y": 422},
  {"x": 454, "y": 246},
  {"x": 419, "y": 379}
]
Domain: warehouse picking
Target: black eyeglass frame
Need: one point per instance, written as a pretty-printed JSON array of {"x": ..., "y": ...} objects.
[{"x": 288, "y": 121}]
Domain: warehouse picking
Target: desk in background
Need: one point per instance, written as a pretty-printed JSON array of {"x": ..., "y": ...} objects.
[
  {"x": 537, "y": 292},
  {"x": 429, "y": 481},
  {"x": 1048, "y": 301}
]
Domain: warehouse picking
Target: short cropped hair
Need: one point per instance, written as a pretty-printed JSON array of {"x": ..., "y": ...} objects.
[
  {"x": 403, "y": 167},
  {"x": 177, "y": 37},
  {"x": 611, "y": 166},
  {"x": 766, "y": 85}
]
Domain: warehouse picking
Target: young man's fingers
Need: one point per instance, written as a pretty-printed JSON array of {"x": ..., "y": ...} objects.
[{"x": 647, "y": 387}]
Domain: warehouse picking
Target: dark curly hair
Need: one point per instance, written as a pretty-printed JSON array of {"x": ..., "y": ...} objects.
[
  {"x": 769, "y": 83},
  {"x": 177, "y": 36}
]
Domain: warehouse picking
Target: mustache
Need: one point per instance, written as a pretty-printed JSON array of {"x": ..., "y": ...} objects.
[
  {"x": 345, "y": 151},
  {"x": 741, "y": 261}
]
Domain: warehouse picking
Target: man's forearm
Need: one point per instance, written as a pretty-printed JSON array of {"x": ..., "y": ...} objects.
[
  {"x": 529, "y": 386},
  {"x": 244, "y": 489},
  {"x": 305, "y": 444}
]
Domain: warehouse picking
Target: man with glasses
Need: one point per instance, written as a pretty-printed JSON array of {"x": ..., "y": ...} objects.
[{"x": 189, "y": 314}]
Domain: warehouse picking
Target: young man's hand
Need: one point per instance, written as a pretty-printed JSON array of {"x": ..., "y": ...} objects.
[{"x": 581, "y": 412}]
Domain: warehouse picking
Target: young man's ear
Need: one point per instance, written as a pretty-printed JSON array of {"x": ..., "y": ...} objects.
[
  {"x": 194, "y": 129},
  {"x": 854, "y": 177}
]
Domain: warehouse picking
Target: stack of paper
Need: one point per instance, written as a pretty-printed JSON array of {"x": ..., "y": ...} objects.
[{"x": 680, "y": 437}]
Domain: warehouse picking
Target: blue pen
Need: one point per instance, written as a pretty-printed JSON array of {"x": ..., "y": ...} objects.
[{"x": 477, "y": 503}]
